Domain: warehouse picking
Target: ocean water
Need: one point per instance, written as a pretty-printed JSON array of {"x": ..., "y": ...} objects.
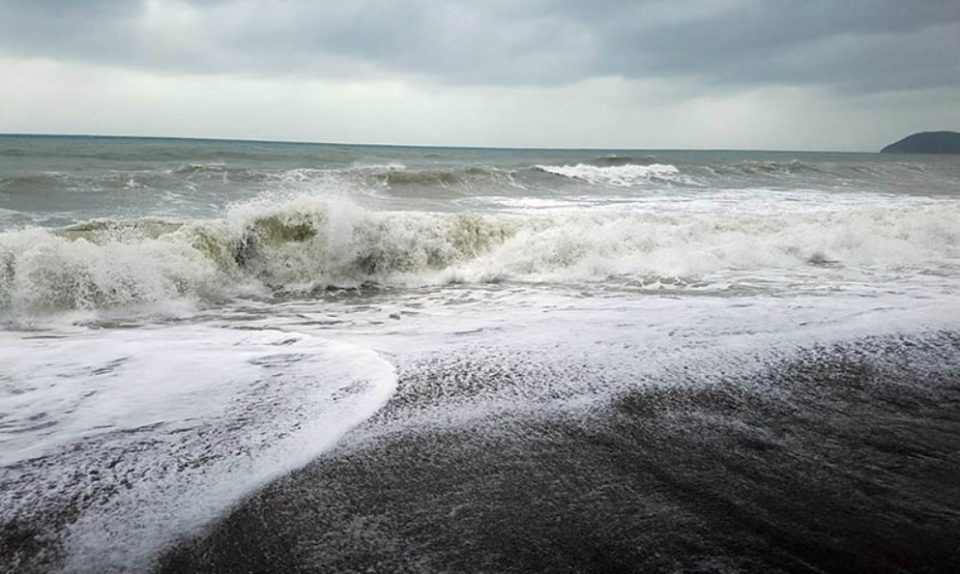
[{"x": 219, "y": 356}]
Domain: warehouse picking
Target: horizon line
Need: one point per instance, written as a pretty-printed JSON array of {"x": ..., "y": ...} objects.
[{"x": 415, "y": 146}]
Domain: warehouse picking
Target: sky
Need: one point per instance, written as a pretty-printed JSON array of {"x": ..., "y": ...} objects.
[{"x": 654, "y": 74}]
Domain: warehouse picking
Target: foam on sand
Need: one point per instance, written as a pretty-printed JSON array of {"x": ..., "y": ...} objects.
[{"x": 127, "y": 439}]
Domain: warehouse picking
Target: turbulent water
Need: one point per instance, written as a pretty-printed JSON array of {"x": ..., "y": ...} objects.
[{"x": 229, "y": 356}]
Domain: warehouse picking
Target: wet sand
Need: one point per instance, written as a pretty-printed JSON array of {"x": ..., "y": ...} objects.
[{"x": 850, "y": 464}]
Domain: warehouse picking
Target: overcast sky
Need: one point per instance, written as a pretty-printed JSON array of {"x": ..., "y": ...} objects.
[{"x": 756, "y": 74}]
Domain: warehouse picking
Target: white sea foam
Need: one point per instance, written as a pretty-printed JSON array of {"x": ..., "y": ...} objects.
[{"x": 621, "y": 175}]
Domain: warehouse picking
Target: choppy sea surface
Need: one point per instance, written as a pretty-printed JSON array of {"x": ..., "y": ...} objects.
[{"x": 230, "y": 356}]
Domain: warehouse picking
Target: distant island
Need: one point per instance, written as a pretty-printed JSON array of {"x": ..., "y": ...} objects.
[{"x": 926, "y": 142}]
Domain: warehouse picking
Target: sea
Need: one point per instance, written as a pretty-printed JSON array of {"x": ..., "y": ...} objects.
[{"x": 241, "y": 356}]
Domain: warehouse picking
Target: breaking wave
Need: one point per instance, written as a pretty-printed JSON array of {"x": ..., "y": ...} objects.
[
  {"x": 398, "y": 176},
  {"x": 812, "y": 172},
  {"x": 626, "y": 174},
  {"x": 301, "y": 245},
  {"x": 753, "y": 167},
  {"x": 619, "y": 160},
  {"x": 219, "y": 173}
]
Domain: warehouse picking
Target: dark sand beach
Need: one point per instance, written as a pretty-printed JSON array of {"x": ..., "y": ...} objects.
[{"x": 850, "y": 465}]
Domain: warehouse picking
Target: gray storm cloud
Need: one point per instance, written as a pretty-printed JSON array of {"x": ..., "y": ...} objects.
[{"x": 853, "y": 45}]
